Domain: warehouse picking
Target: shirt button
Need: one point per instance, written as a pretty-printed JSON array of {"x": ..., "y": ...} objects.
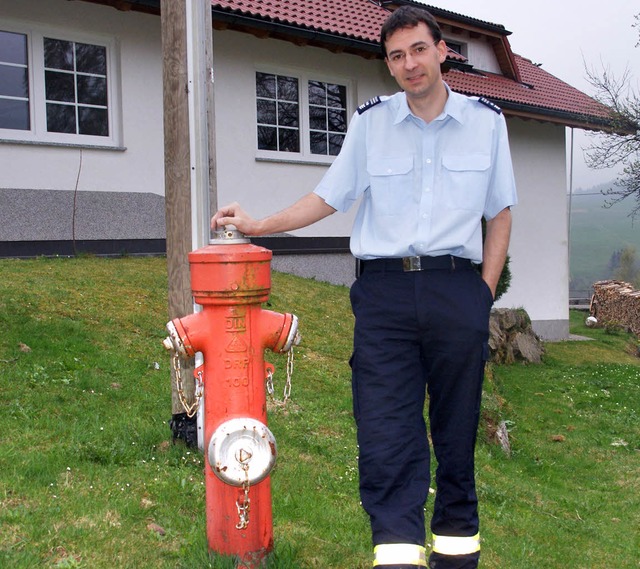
[
  {"x": 428, "y": 160},
  {"x": 389, "y": 171},
  {"x": 424, "y": 216},
  {"x": 427, "y": 189}
]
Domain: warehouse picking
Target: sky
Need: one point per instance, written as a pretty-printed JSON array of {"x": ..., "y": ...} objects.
[{"x": 565, "y": 36}]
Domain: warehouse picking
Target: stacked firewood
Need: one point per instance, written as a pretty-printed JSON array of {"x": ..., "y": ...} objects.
[{"x": 616, "y": 303}]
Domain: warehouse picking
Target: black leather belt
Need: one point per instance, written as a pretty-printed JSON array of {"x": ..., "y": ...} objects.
[{"x": 410, "y": 264}]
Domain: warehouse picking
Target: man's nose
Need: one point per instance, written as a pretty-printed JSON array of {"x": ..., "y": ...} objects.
[{"x": 409, "y": 61}]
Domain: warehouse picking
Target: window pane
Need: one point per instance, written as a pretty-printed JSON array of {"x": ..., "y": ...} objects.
[
  {"x": 267, "y": 138},
  {"x": 287, "y": 88},
  {"x": 289, "y": 140},
  {"x": 328, "y": 117},
  {"x": 317, "y": 118},
  {"x": 266, "y": 112},
  {"x": 58, "y": 54},
  {"x": 337, "y": 120},
  {"x": 61, "y": 118},
  {"x": 93, "y": 122},
  {"x": 317, "y": 93},
  {"x": 13, "y": 48},
  {"x": 59, "y": 87},
  {"x": 335, "y": 143},
  {"x": 91, "y": 59},
  {"x": 92, "y": 90},
  {"x": 14, "y": 114},
  {"x": 14, "y": 81},
  {"x": 77, "y": 74},
  {"x": 318, "y": 143},
  {"x": 278, "y": 112},
  {"x": 266, "y": 85},
  {"x": 336, "y": 95},
  {"x": 288, "y": 114}
]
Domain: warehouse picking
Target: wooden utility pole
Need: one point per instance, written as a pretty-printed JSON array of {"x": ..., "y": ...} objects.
[{"x": 189, "y": 158}]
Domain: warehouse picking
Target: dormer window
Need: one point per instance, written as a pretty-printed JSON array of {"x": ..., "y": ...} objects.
[{"x": 458, "y": 47}]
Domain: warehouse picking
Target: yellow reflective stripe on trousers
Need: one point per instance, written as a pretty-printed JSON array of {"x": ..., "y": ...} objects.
[
  {"x": 448, "y": 545},
  {"x": 399, "y": 554}
]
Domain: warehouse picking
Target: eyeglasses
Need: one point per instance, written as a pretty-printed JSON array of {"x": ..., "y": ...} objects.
[{"x": 415, "y": 51}]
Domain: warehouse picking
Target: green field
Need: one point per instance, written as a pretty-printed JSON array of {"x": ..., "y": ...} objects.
[
  {"x": 90, "y": 478},
  {"x": 596, "y": 233}
]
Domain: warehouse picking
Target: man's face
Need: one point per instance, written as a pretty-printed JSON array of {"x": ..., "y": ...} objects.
[{"x": 414, "y": 60}]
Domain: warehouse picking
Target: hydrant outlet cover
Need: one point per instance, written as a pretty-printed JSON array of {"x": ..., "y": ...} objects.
[{"x": 242, "y": 450}]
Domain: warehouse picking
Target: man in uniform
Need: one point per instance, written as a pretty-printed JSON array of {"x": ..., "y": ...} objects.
[{"x": 428, "y": 165}]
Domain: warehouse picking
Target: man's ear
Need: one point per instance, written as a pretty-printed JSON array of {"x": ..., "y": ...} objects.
[{"x": 442, "y": 48}]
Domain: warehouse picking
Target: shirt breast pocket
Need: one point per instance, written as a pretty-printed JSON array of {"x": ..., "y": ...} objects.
[
  {"x": 465, "y": 180},
  {"x": 391, "y": 181}
]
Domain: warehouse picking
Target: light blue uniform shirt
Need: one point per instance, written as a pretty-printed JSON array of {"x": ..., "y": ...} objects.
[{"x": 424, "y": 187}]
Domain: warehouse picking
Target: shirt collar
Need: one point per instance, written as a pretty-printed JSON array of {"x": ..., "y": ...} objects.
[{"x": 452, "y": 108}]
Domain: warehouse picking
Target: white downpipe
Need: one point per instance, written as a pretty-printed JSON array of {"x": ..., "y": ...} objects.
[
  {"x": 196, "y": 12},
  {"x": 196, "y": 22},
  {"x": 570, "y": 198}
]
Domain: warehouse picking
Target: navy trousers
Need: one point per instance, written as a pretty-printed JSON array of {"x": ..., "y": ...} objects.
[{"x": 415, "y": 332}]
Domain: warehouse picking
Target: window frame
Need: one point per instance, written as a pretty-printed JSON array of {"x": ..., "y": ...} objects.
[
  {"x": 305, "y": 155},
  {"x": 457, "y": 42},
  {"x": 38, "y": 133}
]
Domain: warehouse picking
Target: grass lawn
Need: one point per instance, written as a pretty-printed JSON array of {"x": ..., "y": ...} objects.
[{"x": 89, "y": 477}]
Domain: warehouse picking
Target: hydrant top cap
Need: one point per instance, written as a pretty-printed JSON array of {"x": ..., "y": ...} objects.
[{"x": 227, "y": 236}]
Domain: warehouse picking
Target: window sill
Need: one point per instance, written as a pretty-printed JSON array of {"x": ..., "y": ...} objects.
[
  {"x": 286, "y": 158},
  {"x": 63, "y": 144}
]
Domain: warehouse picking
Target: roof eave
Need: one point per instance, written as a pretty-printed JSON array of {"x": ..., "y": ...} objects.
[
  {"x": 299, "y": 35},
  {"x": 145, "y": 6},
  {"x": 555, "y": 116},
  {"x": 448, "y": 17}
]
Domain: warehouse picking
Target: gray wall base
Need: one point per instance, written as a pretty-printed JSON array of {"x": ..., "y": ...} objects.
[
  {"x": 337, "y": 269},
  {"x": 551, "y": 329}
]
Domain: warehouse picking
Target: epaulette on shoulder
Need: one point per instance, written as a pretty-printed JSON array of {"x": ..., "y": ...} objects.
[
  {"x": 490, "y": 104},
  {"x": 369, "y": 104}
]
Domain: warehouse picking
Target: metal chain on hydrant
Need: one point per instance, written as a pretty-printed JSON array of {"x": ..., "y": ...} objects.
[
  {"x": 191, "y": 409},
  {"x": 243, "y": 503},
  {"x": 287, "y": 385}
]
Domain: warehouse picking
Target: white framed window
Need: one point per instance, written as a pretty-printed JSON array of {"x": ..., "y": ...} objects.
[
  {"x": 58, "y": 88},
  {"x": 300, "y": 117},
  {"x": 457, "y": 46}
]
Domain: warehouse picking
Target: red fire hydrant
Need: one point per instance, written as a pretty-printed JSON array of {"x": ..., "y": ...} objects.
[{"x": 230, "y": 278}]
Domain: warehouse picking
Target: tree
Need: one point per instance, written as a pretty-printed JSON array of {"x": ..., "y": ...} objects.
[
  {"x": 614, "y": 261},
  {"x": 627, "y": 269},
  {"x": 621, "y": 144}
]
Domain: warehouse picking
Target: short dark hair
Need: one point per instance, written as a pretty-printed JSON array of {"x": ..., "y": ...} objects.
[{"x": 408, "y": 17}]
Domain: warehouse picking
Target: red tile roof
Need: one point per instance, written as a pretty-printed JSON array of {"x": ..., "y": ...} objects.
[
  {"x": 538, "y": 93},
  {"x": 360, "y": 19}
]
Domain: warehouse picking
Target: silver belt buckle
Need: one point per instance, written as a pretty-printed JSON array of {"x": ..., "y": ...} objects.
[{"x": 411, "y": 264}]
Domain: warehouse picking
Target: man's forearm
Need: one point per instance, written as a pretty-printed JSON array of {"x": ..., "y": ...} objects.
[
  {"x": 306, "y": 211},
  {"x": 496, "y": 245}
]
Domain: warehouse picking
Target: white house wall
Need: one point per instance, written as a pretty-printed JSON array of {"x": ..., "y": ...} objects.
[
  {"x": 136, "y": 167},
  {"x": 539, "y": 252},
  {"x": 478, "y": 51}
]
